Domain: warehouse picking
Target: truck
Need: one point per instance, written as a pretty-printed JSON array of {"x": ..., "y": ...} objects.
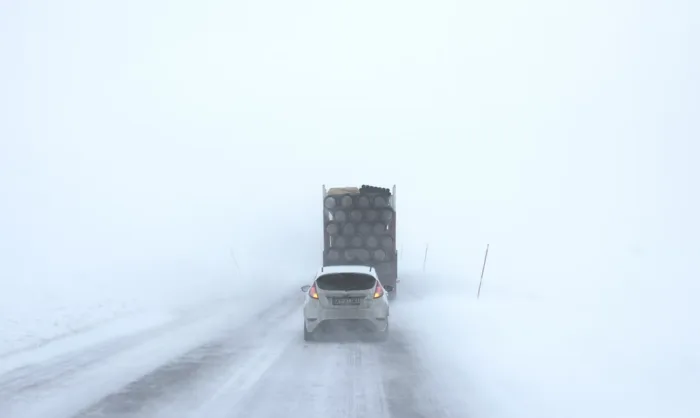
[{"x": 359, "y": 228}]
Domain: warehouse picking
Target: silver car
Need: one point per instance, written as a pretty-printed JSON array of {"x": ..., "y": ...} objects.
[{"x": 346, "y": 295}]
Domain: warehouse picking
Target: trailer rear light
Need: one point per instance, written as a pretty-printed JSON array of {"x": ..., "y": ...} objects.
[
  {"x": 378, "y": 291},
  {"x": 313, "y": 293}
]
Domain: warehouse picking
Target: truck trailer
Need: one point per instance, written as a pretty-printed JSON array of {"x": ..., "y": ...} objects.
[{"x": 359, "y": 228}]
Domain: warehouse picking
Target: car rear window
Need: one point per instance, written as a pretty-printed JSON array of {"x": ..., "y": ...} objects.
[{"x": 346, "y": 281}]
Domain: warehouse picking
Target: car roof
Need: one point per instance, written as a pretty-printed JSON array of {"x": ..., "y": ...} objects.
[{"x": 347, "y": 269}]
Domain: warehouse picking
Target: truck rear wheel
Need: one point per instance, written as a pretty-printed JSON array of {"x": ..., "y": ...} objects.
[{"x": 392, "y": 294}]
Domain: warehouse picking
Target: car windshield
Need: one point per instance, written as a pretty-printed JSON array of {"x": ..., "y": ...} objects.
[{"x": 346, "y": 281}]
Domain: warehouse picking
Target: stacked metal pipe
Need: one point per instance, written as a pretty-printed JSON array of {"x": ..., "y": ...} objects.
[{"x": 359, "y": 226}]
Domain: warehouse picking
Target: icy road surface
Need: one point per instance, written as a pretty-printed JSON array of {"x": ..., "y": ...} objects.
[{"x": 227, "y": 366}]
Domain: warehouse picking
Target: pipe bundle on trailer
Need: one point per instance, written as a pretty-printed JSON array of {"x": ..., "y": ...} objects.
[{"x": 359, "y": 225}]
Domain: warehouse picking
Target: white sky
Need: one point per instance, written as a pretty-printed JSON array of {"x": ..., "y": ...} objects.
[{"x": 152, "y": 132}]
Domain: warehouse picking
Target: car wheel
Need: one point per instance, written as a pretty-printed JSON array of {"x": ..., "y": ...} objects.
[
  {"x": 308, "y": 336},
  {"x": 392, "y": 295}
]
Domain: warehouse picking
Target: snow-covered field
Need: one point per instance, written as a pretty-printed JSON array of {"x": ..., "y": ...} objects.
[
  {"x": 511, "y": 355},
  {"x": 46, "y": 334},
  {"x": 507, "y": 354},
  {"x": 33, "y": 316}
]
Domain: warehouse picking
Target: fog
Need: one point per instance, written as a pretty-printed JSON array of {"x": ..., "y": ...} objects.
[
  {"x": 144, "y": 143},
  {"x": 162, "y": 154}
]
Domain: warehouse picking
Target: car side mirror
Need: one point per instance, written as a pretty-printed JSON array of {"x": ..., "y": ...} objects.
[
  {"x": 305, "y": 288},
  {"x": 389, "y": 288}
]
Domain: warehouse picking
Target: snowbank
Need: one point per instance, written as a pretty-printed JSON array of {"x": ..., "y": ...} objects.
[
  {"x": 32, "y": 316},
  {"x": 36, "y": 314},
  {"x": 514, "y": 354}
]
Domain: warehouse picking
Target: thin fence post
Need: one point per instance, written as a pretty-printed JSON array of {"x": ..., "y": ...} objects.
[
  {"x": 425, "y": 259},
  {"x": 481, "y": 280}
]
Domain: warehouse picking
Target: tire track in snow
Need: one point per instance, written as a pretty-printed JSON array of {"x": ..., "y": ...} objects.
[
  {"x": 352, "y": 379},
  {"x": 164, "y": 388},
  {"x": 409, "y": 387},
  {"x": 313, "y": 380},
  {"x": 37, "y": 375},
  {"x": 264, "y": 369},
  {"x": 274, "y": 372}
]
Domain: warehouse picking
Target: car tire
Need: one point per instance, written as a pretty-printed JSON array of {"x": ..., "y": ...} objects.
[
  {"x": 392, "y": 295},
  {"x": 308, "y": 336}
]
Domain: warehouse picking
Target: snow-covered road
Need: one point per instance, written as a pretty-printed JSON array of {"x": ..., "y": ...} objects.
[{"x": 225, "y": 365}]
